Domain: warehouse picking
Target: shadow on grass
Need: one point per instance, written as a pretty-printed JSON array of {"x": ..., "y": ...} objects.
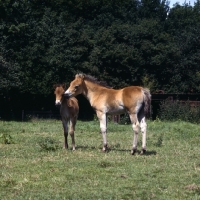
[
  {"x": 86, "y": 147},
  {"x": 147, "y": 153}
]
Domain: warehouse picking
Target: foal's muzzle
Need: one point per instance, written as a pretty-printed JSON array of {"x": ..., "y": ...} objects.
[
  {"x": 57, "y": 104},
  {"x": 67, "y": 94}
]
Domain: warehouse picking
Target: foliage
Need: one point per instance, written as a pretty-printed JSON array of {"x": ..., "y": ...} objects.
[
  {"x": 125, "y": 119},
  {"x": 48, "y": 144},
  {"x": 127, "y": 42},
  {"x": 9, "y": 76},
  {"x": 5, "y": 138},
  {"x": 176, "y": 110}
]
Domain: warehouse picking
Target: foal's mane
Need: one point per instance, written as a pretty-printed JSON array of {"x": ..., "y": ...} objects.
[{"x": 94, "y": 80}]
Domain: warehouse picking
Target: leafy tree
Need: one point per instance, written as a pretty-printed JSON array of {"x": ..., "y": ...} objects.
[
  {"x": 9, "y": 76},
  {"x": 156, "y": 9},
  {"x": 124, "y": 42},
  {"x": 183, "y": 25}
]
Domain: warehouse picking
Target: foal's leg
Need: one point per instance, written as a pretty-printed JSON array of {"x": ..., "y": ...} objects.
[
  {"x": 72, "y": 129},
  {"x": 103, "y": 126},
  {"x": 135, "y": 127},
  {"x": 65, "y": 127},
  {"x": 143, "y": 126}
]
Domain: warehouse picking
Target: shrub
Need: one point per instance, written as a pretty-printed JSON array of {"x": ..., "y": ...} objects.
[
  {"x": 125, "y": 119},
  {"x": 5, "y": 138},
  {"x": 48, "y": 144},
  {"x": 176, "y": 110}
]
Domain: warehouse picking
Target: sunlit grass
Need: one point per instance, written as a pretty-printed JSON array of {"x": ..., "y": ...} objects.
[{"x": 169, "y": 170}]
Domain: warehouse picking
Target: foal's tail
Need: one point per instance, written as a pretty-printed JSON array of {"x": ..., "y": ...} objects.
[{"x": 147, "y": 102}]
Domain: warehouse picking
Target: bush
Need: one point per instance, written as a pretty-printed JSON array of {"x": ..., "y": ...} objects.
[
  {"x": 48, "y": 144},
  {"x": 176, "y": 110},
  {"x": 5, "y": 138},
  {"x": 125, "y": 119}
]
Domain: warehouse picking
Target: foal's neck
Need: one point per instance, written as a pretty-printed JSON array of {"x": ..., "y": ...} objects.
[{"x": 90, "y": 89}]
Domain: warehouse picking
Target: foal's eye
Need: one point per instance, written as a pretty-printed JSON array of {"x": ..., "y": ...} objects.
[{"x": 76, "y": 87}]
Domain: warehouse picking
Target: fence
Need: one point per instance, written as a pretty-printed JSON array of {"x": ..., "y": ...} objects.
[{"x": 87, "y": 113}]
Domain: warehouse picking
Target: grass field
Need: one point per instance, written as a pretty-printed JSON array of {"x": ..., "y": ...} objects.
[{"x": 30, "y": 170}]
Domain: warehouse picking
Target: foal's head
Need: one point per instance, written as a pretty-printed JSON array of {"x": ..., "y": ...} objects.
[
  {"x": 76, "y": 86},
  {"x": 59, "y": 90}
]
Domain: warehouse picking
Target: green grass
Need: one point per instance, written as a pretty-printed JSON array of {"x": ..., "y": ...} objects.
[{"x": 169, "y": 170}]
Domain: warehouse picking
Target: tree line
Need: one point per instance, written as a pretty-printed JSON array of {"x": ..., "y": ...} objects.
[{"x": 123, "y": 42}]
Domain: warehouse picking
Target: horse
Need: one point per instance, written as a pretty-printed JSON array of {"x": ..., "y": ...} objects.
[
  {"x": 134, "y": 100},
  {"x": 69, "y": 110}
]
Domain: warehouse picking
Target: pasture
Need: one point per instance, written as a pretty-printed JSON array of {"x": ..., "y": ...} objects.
[{"x": 34, "y": 165}]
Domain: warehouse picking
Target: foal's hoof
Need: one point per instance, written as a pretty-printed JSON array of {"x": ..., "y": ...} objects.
[
  {"x": 104, "y": 150},
  {"x": 65, "y": 146},
  {"x": 143, "y": 152},
  {"x": 133, "y": 151}
]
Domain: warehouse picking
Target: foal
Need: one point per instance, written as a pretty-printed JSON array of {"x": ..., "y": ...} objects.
[
  {"x": 69, "y": 112},
  {"x": 134, "y": 100}
]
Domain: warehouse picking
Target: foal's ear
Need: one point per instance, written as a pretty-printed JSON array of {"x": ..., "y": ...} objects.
[
  {"x": 64, "y": 85},
  {"x": 54, "y": 86},
  {"x": 79, "y": 76}
]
